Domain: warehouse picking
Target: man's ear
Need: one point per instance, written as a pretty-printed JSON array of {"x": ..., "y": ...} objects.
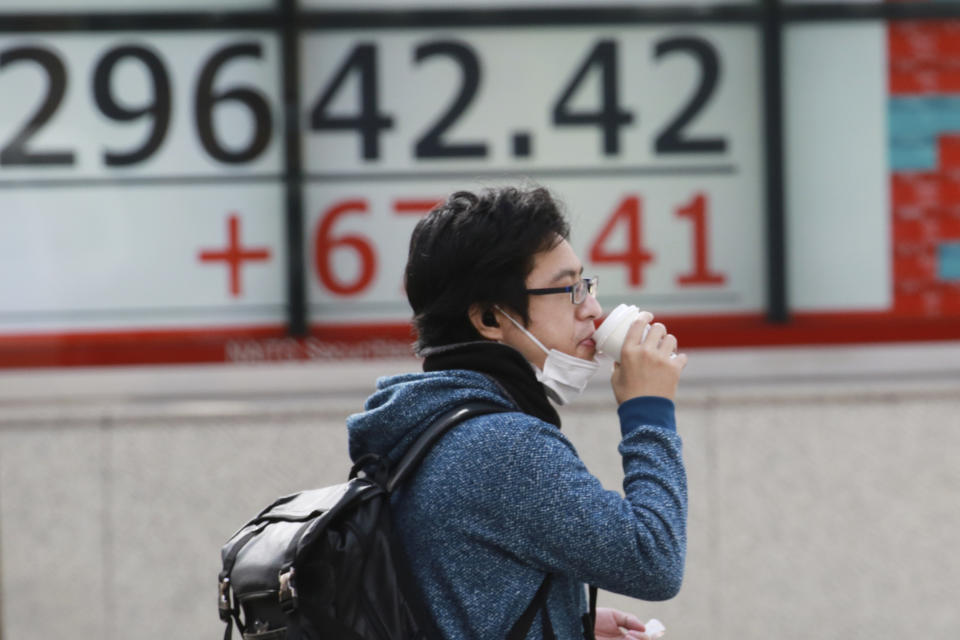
[{"x": 484, "y": 320}]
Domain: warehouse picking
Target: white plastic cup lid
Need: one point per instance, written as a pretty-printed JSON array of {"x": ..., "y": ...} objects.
[{"x": 612, "y": 322}]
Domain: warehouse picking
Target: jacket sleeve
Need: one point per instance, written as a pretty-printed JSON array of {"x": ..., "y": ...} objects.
[{"x": 561, "y": 519}]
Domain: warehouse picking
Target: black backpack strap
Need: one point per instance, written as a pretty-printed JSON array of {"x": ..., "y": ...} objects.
[
  {"x": 548, "y": 633},
  {"x": 539, "y": 603},
  {"x": 590, "y": 619},
  {"x": 441, "y": 425},
  {"x": 407, "y": 465},
  {"x": 419, "y": 449}
]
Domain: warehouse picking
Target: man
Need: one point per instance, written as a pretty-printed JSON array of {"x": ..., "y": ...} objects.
[{"x": 504, "y": 315}]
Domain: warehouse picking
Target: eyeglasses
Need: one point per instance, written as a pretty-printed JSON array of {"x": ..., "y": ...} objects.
[{"x": 578, "y": 291}]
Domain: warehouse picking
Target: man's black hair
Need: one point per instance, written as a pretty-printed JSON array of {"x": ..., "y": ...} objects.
[{"x": 477, "y": 248}]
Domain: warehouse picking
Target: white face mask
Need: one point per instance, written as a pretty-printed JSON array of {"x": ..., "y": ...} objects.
[{"x": 564, "y": 376}]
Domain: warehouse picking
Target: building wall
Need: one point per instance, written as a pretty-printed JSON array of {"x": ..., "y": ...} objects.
[{"x": 823, "y": 489}]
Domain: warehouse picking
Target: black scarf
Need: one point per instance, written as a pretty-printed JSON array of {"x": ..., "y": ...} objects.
[{"x": 505, "y": 365}]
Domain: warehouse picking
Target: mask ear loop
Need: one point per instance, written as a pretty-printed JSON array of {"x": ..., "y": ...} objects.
[{"x": 523, "y": 329}]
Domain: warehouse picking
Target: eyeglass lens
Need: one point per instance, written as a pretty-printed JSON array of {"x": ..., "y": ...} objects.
[{"x": 582, "y": 288}]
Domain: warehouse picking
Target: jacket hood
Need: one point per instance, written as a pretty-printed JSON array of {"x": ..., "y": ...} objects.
[{"x": 405, "y": 405}]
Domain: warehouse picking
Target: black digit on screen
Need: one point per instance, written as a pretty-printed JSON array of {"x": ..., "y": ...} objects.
[
  {"x": 673, "y": 139},
  {"x": 609, "y": 117},
  {"x": 158, "y": 108},
  {"x": 15, "y": 152},
  {"x": 368, "y": 121},
  {"x": 432, "y": 145},
  {"x": 206, "y": 99}
]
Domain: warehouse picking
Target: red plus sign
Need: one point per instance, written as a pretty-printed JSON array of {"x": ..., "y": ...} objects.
[{"x": 234, "y": 255}]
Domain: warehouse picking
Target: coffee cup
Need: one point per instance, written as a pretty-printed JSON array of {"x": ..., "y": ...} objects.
[{"x": 610, "y": 334}]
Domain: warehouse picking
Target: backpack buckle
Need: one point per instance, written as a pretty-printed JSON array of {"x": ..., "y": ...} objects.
[
  {"x": 372, "y": 467},
  {"x": 288, "y": 590},
  {"x": 225, "y": 600}
]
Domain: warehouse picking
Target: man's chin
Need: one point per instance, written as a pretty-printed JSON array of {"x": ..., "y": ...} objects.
[{"x": 586, "y": 350}]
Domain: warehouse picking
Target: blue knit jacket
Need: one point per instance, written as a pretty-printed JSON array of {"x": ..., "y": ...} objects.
[{"x": 503, "y": 499}]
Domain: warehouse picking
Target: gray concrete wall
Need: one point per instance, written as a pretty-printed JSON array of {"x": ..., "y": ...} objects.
[{"x": 824, "y": 489}]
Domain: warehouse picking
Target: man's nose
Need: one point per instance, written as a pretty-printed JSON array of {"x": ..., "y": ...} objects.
[{"x": 590, "y": 308}]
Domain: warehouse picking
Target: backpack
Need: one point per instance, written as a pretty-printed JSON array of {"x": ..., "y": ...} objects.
[{"x": 325, "y": 563}]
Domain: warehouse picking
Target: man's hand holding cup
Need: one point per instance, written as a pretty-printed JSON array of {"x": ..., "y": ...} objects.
[{"x": 645, "y": 356}]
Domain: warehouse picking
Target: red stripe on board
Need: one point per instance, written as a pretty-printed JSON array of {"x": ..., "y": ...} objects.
[
  {"x": 330, "y": 342},
  {"x": 358, "y": 332},
  {"x": 925, "y": 226},
  {"x": 923, "y": 80},
  {"x": 923, "y": 41},
  {"x": 148, "y": 346},
  {"x": 919, "y": 264},
  {"x": 928, "y": 299},
  {"x": 731, "y": 330},
  {"x": 924, "y": 190},
  {"x": 948, "y": 150}
]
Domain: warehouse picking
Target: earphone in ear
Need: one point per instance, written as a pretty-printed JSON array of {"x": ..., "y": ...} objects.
[{"x": 488, "y": 319}]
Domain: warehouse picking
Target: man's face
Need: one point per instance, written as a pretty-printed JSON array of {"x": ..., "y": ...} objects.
[{"x": 554, "y": 320}]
